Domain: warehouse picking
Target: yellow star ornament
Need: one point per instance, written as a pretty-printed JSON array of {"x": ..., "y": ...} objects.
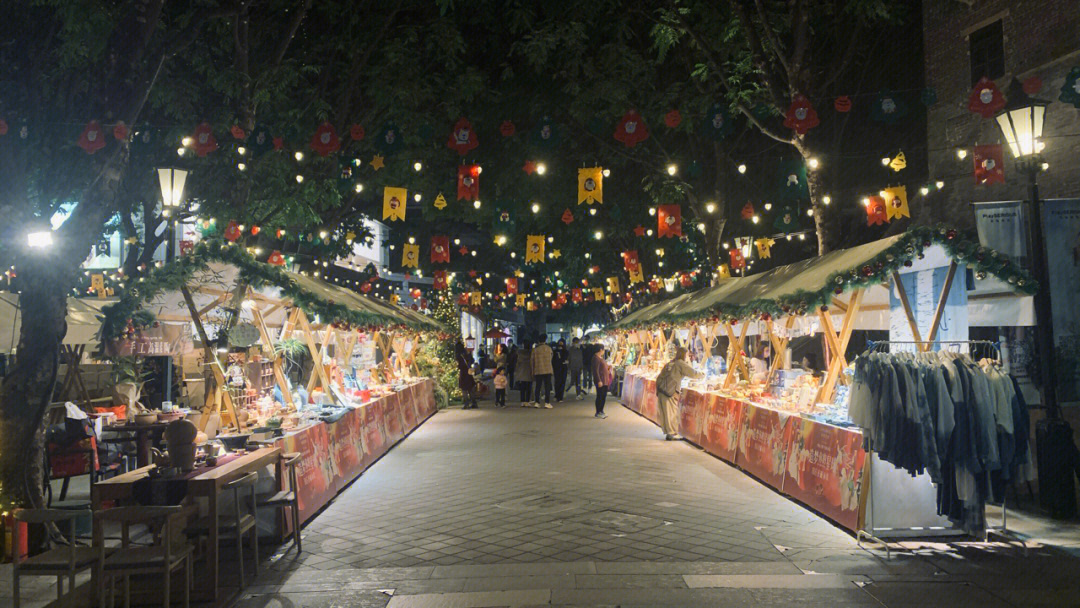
[
  {"x": 555, "y": 253},
  {"x": 378, "y": 162}
]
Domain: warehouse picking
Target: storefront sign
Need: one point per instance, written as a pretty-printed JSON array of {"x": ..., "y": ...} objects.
[
  {"x": 1002, "y": 227},
  {"x": 161, "y": 340},
  {"x": 824, "y": 469}
]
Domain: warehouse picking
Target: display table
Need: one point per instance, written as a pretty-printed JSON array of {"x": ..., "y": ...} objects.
[
  {"x": 334, "y": 454},
  {"x": 816, "y": 463}
]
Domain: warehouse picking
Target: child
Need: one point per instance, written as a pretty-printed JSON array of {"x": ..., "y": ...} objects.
[{"x": 500, "y": 387}]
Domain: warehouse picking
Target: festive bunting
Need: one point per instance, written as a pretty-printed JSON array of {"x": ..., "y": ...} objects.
[
  {"x": 529, "y": 167},
  {"x": 875, "y": 212},
  {"x": 717, "y": 124},
  {"x": 673, "y": 119},
  {"x": 511, "y": 286},
  {"x": 748, "y": 211},
  {"x": 468, "y": 182},
  {"x": 325, "y": 140},
  {"x": 669, "y": 220},
  {"x": 462, "y": 137},
  {"x": 613, "y": 284},
  {"x": 764, "y": 247},
  {"x": 393, "y": 208},
  {"x": 737, "y": 259},
  {"x": 633, "y": 266},
  {"x": 896, "y": 203},
  {"x": 440, "y": 202},
  {"x": 204, "y": 141},
  {"x": 92, "y": 138},
  {"x": 1070, "y": 90},
  {"x": 575, "y": 295},
  {"x": 388, "y": 141},
  {"x": 410, "y": 255},
  {"x": 639, "y": 230},
  {"x": 631, "y": 129},
  {"x": 395, "y": 298},
  {"x": 989, "y": 164},
  {"x": 787, "y": 221},
  {"x": 440, "y": 250},
  {"x": 534, "y": 248},
  {"x": 744, "y": 244},
  {"x": 520, "y": 299},
  {"x": 888, "y": 108},
  {"x": 475, "y": 298},
  {"x": 898, "y": 163},
  {"x": 842, "y": 104},
  {"x": 590, "y": 185},
  {"x": 556, "y": 253},
  {"x": 597, "y": 294},
  {"x": 439, "y": 279},
  {"x": 986, "y": 99},
  {"x": 801, "y": 116}
]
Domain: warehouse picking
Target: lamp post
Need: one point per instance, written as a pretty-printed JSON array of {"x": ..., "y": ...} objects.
[
  {"x": 1021, "y": 123},
  {"x": 171, "y": 180}
]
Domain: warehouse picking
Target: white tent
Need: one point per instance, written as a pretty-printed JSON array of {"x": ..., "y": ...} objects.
[{"x": 82, "y": 321}]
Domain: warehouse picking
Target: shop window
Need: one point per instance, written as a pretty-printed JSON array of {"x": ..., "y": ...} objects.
[{"x": 986, "y": 47}]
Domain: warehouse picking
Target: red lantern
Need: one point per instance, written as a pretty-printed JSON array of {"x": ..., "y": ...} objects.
[{"x": 325, "y": 140}]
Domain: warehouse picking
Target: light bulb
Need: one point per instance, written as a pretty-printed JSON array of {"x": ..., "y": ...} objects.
[
  {"x": 541, "y": 168},
  {"x": 241, "y": 166},
  {"x": 768, "y": 206},
  {"x": 755, "y": 219},
  {"x": 598, "y": 235},
  {"x": 299, "y": 156},
  {"x": 241, "y": 150},
  {"x": 826, "y": 199},
  {"x": 299, "y": 178},
  {"x": 185, "y": 141},
  {"x": 476, "y": 204},
  {"x": 607, "y": 172},
  {"x": 417, "y": 166},
  {"x": 551, "y": 239},
  {"x": 412, "y": 240},
  {"x": 416, "y": 197},
  {"x": 592, "y": 211},
  {"x": 701, "y": 227},
  {"x": 742, "y": 168},
  {"x": 359, "y": 187},
  {"x": 588, "y": 255},
  {"x": 727, "y": 246},
  {"x": 813, "y": 163},
  {"x": 810, "y": 212},
  {"x": 940, "y": 184},
  {"x": 652, "y": 210},
  {"x": 961, "y": 154},
  {"x": 710, "y": 208},
  {"x": 536, "y": 207},
  {"x": 649, "y": 232},
  {"x": 457, "y": 241},
  {"x": 180, "y": 151},
  {"x": 924, "y": 191},
  {"x": 866, "y": 201},
  {"x": 672, "y": 169},
  {"x": 885, "y": 160}
]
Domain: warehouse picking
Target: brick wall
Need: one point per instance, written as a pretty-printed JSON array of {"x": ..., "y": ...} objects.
[{"x": 1041, "y": 38}]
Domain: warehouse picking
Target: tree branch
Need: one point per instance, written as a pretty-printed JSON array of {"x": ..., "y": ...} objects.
[
  {"x": 771, "y": 35},
  {"x": 801, "y": 25},
  {"x": 845, "y": 61},
  {"x": 774, "y": 81},
  {"x": 290, "y": 33},
  {"x": 360, "y": 63}
]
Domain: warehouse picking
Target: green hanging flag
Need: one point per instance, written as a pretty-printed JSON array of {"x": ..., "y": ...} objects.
[
  {"x": 787, "y": 221},
  {"x": 717, "y": 123}
]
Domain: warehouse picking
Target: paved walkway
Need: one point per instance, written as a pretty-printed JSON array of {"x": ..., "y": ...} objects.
[{"x": 526, "y": 507}]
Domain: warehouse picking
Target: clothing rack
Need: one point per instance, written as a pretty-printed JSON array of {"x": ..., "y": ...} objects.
[{"x": 992, "y": 351}]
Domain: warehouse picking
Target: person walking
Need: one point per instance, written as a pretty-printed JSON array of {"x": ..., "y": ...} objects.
[
  {"x": 511, "y": 362},
  {"x": 668, "y": 388},
  {"x": 500, "y": 387},
  {"x": 466, "y": 382},
  {"x": 603, "y": 376},
  {"x": 542, "y": 371},
  {"x": 576, "y": 362},
  {"x": 559, "y": 359},
  {"x": 523, "y": 372}
]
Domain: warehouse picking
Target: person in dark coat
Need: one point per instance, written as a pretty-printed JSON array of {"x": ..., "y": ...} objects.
[
  {"x": 559, "y": 361},
  {"x": 511, "y": 362},
  {"x": 466, "y": 382}
]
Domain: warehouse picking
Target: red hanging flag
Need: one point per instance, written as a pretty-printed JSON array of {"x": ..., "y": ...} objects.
[
  {"x": 669, "y": 220},
  {"x": 737, "y": 259},
  {"x": 468, "y": 182},
  {"x": 440, "y": 249},
  {"x": 463, "y": 299},
  {"x": 989, "y": 164},
  {"x": 439, "y": 280},
  {"x": 986, "y": 98},
  {"x": 462, "y": 137},
  {"x": 630, "y": 261},
  {"x": 511, "y": 286},
  {"x": 801, "y": 116},
  {"x": 92, "y": 138},
  {"x": 575, "y": 295},
  {"x": 631, "y": 129},
  {"x": 875, "y": 212}
]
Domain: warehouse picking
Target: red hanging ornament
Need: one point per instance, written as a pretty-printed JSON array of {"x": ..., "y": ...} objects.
[
  {"x": 575, "y": 295},
  {"x": 232, "y": 231},
  {"x": 511, "y": 286},
  {"x": 748, "y": 211},
  {"x": 529, "y": 167},
  {"x": 737, "y": 259},
  {"x": 279, "y": 143},
  {"x": 842, "y": 104},
  {"x": 986, "y": 99},
  {"x": 1032, "y": 85},
  {"x": 875, "y": 212},
  {"x": 669, "y": 220},
  {"x": 255, "y": 230},
  {"x": 567, "y": 217},
  {"x": 801, "y": 116},
  {"x": 463, "y": 299},
  {"x": 464, "y": 250},
  {"x": 989, "y": 162},
  {"x": 92, "y": 139},
  {"x": 673, "y": 119},
  {"x": 685, "y": 280},
  {"x": 630, "y": 261},
  {"x": 276, "y": 259},
  {"x": 654, "y": 286},
  {"x": 440, "y": 250},
  {"x": 639, "y": 230},
  {"x": 356, "y": 132},
  {"x": 325, "y": 140},
  {"x": 472, "y": 274},
  {"x": 120, "y": 131},
  {"x": 415, "y": 293},
  {"x": 237, "y": 132},
  {"x": 507, "y": 128},
  {"x": 366, "y": 288},
  {"x": 631, "y": 129},
  {"x": 203, "y": 140},
  {"x": 439, "y": 281},
  {"x": 462, "y": 137},
  {"x": 468, "y": 182}
]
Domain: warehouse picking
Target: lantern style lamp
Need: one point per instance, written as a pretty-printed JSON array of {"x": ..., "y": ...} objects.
[
  {"x": 172, "y": 182},
  {"x": 1021, "y": 122},
  {"x": 470, "y": 342}
]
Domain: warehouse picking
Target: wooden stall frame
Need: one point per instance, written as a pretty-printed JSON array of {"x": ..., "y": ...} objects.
[{"x": 838, "y": 343}]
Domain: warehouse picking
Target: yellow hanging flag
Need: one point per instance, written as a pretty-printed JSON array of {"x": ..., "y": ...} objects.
[
  {"x": 896, "y": 204},
  {"x": 590, "y": 185},
  {"x": 440, "y": 202},
  {"x": 636, "y": 276},
  {"x": 613, "y": 284},
  {"x": 393, "y": 203},
  {"x": 410, "y": 256},
  {"x": 534, "y": 248},
  {"x": 724, "y": 272},
  {"x": 474, "y": 297},
  {"x": 764, "y": 247},
  {"x": 394, "y": 298},
  {"x": 531, "y": 306},
  {"x": 97, "y": 284},
  {"x": 520, "y": 299},
  {"x": 598, "y": 294}
]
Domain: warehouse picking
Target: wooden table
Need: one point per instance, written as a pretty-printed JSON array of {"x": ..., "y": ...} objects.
[
  {"x": 208, "y": 484},
  {"x": 143, "y": 433}
]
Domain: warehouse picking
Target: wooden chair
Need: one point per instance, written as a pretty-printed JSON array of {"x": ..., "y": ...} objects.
[
  {"x": 162, "y": 557},
  {"x": 239, "y": 524},
  {"x": 288, "y": 497},
  {"x": 59, "y": 562}
]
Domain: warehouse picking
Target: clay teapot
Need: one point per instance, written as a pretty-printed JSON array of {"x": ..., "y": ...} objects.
[{"x": 180, "y": 439}]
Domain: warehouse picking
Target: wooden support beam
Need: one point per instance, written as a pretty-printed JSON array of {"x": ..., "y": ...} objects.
[
  {"x": 906, "y": 305},
  {"x": 275, "y": 360},
  {"x": 839, "y": 345},
  {"x": 941, "y": 303},
  {"x": 215, "y": 367},
  {"x": 737, "y": 346},
  {"x": 317, "y": 367}
]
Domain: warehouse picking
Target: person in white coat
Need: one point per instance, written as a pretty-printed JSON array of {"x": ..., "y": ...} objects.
[{"x": 668, "y": 389}]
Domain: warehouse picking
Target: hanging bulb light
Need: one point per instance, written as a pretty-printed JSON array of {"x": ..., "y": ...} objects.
[
  {"x": 417, "y": 166},
  {"x": 359, "y": 188},
  {"x": 299, "y": 178},
  {"x": 652, "y": 210},
  {"x": 768, "y": 206},
  {"x": 607, "y": 172},
  {"x": 476, "y": 204},
  {"x": 710, "y": 207},
  {"x": 742, "y": 168},
  {"x": 961, "y": 154},
  {"x": 813, "y": 163},
  {"x": 299, "y": 156},
  {"x": 416, "y": 197},
  {"x": 536, "y": 207},
  {"x": 541, "y": 168},
  {"x": 826, "y": 199},
  {"x": 672, "y": 169}
]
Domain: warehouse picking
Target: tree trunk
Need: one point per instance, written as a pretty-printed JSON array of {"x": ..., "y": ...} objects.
[{"x": 826, "y": 234}]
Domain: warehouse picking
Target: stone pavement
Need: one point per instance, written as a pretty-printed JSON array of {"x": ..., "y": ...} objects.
[{"x": 527, "y": 507}]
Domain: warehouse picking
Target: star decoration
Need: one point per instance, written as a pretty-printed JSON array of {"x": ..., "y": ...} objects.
[
  {"x": 378, "y": 162},
  {"x": 518, "y": 273},
  {"x": 464, "y": 250},
  {"x": 639, "y": 231},
  {"x": 472, "y": 274},
  {"x": 529, "y": 167},
  {"x": 555, "y": 253}
]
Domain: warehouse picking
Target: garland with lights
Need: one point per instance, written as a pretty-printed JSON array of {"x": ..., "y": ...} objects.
[
  {"x": 909, "y": 246},
  {"x": 128, "y": 314}
]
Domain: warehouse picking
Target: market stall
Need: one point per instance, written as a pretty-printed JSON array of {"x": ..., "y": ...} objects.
[{"x": 804, "y": 433}]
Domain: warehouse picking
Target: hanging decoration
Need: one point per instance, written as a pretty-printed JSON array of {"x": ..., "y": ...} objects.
[
  {"x": 475, "y": 298},
  {"x": 717, "y": 124},
  {"x": 590, "y": 185},
  {"x": 787, "y": 221},
  {"x": 1070, "y": 89},
  {"x": 556, "y": 253},
  {"x": 598, "y": 294},
  {"x": 986, "y": 99},
  {"x": 438, "y": 279},
  {"x": 801, "y": 116},
  {"x": 764, "y": 247},
  {"x": 633, "y": 266},
  {"x": 393, "y": 207},
  {"x": 989, "y": 164},
  {"x": 875, "y": 211},
  {"x": 440, "y": 250},
  {"x": 203, "y": 141},
  {"x": 237, "y": 132},
  {"x": 388, "y": 141},
  {"x": 279, "y": 143},
  {"x": 462, "y": 137},
  {"x": 613, "y": 285},
  {"x": 534, "y": 248},
  {"x": 410, "y": 255},
  {"x": 260, "y": 141},
  {"x": 529, "y": 167},
  {"x": 232, "y": 231},
  {"x": 639, "y": 230},
  {"x": 795, "y": 186},
  {"x": 276, "y": 259},
  {"x": 575, "y": 295},
  {"x": 378, "y": 162},
  {"x": 631, "y": 129},
  {"x": 325, "y": 140},
  {"x": 673, "y": 119},
  {"x": 723, "y": 272},
  {"x": 896, "y": 203},
  {"x": 468, "y": 182},
  {"x": 519, "y": 299},
  {"x": 120, "y": 131},
  {"x": 928, "y": 96},
  {"x": 737, "y": 260},
  {"x": 669, "y": 221},
  {"x": 511, "y": 286},
  {"x": 356, "y": 132},
  {"x": 899, "y": 162},
  {"x": 567, "y": 217},
  {"x": 507, "y": 129},
  {"x": 546, "y": 134},
  {"x": 747, "y": 212},
  {"x": 440, "y": 202},
  {"x": 92, "y": 138},
  {"x": 888, "y": 108},
  {"x": 842, "y": 104}
]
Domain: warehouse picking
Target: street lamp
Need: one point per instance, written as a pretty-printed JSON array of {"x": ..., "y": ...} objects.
[{"x": 172, "y": 182}]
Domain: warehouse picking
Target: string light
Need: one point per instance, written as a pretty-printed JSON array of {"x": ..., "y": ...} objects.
[
  {"x": 672, "y": 169},
  {"x": 416, "y": 197},
  {"x": 551, "y": 239},
  {"x": 742, "y": 168},
  {"x": 476, "y": 204},
  {"x": 417, "y": 166},
  {"x": 649, "y": 232},
  {"x": 598, "y": 235},
  {"x": 961, "y": 154},
  {"x": 768, "y": 206},
  {"x": 412, "y": 240},
  {"x": 813, "y": 163},
  {"x": 652, "y": 210},
  {"x": 181, "y": 151},
  {"x": 924, "y": 191},
  {"x": 755, "y": 219},
  {"x": 299, "y": 156},
  {"x": 810, "y": 212},
  {"x": 541, "y": 168},
  {"x": 885, "y": 161},
  {"x": 592, "y": 211},
  {"x": 826, "y": 199},
  {"x": 359, "y": 188},
  {"x": 241, "y": 150},
  {"x": 607, "y": 172},
  {"x": 186, "y": 141},
  {"x": 299, "y": 178},
  {"x": 241, "y": 166},
  {"x": 866, "y": 201},
  {"x": 536, "y": 207},
  {"x": 710, "y": 207},
  {"x": 940, "y": 184}
]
